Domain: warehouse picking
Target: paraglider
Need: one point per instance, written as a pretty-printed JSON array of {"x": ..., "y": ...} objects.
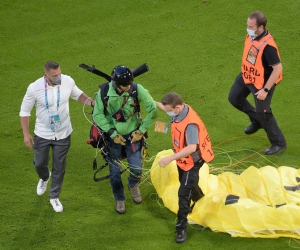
[{"x": 260, "y": 202}]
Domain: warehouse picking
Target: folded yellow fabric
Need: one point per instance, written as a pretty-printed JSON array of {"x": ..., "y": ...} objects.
[{"x": 260, "y": 202}]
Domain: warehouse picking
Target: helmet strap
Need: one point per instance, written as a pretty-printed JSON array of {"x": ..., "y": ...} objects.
[{"x": 114, "y": 84}]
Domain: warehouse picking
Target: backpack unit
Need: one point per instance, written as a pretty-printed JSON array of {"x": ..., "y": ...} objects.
[
  {"x": 134, "y": 94},
  {"x": 98, "y": 138}
]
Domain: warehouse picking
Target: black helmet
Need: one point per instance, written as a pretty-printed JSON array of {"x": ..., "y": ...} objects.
[{"x": 122, "y": 75}]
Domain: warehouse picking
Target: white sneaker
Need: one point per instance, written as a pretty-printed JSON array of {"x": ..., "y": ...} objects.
[
  {"x": 42, "y": 186},
  {"x": 57, "y": 206}
]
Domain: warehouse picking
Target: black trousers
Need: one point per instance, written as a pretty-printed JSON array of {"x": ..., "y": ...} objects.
[
  {"x": 189, "y": 190},
  {"x": 262, "y": 114}
]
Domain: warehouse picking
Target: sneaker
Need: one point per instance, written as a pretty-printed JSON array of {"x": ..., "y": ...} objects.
[
  {"x": 120, "y": 207},
  {"x": 136, "y": 194},
  {"x": 42, "y": 186},
  {"x": 57, "y": 206}
]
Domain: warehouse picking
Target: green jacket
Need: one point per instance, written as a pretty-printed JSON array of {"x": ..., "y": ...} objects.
[{"x": 103, "y": 117}]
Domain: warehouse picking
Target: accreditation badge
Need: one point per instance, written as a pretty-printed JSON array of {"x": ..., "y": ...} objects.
[
  {"x": 54, "y": 122},
  {"x": 161, "y": 127},
  {"x": 252, "y": 55}
]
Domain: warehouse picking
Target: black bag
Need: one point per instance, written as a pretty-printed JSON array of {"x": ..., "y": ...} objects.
[{"x": 97, "y": 138}]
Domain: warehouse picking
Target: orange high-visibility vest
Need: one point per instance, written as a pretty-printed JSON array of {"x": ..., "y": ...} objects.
[
  {"x": 252, "y": 67},
  {"x": 179, "y": 140}
]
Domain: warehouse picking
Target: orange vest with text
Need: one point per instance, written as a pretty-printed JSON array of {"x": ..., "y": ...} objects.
[
  {"x": 252, "y": 67},
  {"x": 179, "y": 141}
]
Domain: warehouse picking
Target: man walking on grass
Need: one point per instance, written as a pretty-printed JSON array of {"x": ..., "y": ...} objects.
[
  {"x": 50, "y": 95},
  {"x": 261, "y": 72},
  {"x": 120, "y": 119}
]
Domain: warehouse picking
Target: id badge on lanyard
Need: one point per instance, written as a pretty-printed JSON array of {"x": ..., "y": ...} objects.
[
  {"x": 54, "y": 120},
  {"x": 252, "y": 55},
  {"x": 161, "y": 127}
]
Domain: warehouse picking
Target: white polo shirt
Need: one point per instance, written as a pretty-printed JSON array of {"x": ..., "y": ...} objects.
[{"x": 38, "y": 93}]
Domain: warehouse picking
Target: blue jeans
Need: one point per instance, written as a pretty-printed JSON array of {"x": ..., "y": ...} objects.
[{"x": 132, "y": 151}]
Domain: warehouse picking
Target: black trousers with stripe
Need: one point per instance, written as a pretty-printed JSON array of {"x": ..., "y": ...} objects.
[
  {"x": 189, "y": 190},
  {"x": 261, "y": 114}
]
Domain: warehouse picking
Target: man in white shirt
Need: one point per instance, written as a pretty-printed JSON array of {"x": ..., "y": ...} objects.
[{"x": 50, "y": 94}]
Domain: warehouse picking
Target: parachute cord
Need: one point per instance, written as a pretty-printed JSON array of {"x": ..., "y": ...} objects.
[
  {"x": 295, "y": 241},
  {"x": 156, "y": 199},
  {"x": 196, "y": 226},
  {"x": 239, "y": 137},
  {"x": 237, "y": 165},
  {"x": 84, "y": 113}
]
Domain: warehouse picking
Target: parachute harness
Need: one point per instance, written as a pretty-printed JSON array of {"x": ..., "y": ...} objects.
[{"x": 103, "y": 147}]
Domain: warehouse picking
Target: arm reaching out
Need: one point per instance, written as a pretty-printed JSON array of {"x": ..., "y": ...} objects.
[{"x": 159, "y": 105}]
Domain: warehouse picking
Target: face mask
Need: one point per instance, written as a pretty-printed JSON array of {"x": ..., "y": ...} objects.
[
  {"x": 56, "y": 80},
  {"x": 172, "y": 114},
  {"x": 251, "y": 32}
]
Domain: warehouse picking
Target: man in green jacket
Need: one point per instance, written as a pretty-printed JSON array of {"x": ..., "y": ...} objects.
[{"x": 119, "y": 118}]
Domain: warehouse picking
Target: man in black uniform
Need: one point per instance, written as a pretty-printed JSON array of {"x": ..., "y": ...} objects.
[{"x": 261, "y": 72}]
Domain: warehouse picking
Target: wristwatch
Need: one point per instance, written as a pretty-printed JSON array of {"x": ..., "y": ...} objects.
[{"x": 266, "y": 90}]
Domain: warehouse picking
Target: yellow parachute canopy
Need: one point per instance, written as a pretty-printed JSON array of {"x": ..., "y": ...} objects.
[{"x": 260, "y": 202}]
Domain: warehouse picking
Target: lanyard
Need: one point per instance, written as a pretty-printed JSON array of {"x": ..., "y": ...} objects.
[
  {"x": 46, "y": 95},
  {"x": 262, "y": 42}
]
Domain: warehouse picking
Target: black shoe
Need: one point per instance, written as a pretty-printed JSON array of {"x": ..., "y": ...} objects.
[
  {"x": 251, "y": 129},
  {"x": 181, "y": 236},
  {"x": 274, "y": 150}
]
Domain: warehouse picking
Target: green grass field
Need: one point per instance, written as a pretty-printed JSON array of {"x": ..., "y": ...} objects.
[{"x": 193, "y": 48}]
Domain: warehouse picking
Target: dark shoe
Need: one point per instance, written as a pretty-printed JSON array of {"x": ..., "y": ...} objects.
[
  {"x": 120, "y": 207},
  {"x": 274, "y": 150},
  {"x": 181, "y": 236},
  {"x": 136, "y": 194},
  {"x": 251, "y": 129}
]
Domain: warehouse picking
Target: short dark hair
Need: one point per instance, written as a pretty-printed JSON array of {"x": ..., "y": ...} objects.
[
  {"x": 259, "y": 17},
  {"x": 51, "y": 65},
  {"x": 172, "y": 99}
]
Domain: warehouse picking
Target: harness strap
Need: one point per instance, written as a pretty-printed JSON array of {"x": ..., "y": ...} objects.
[{"x": 106, "y": 176}]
